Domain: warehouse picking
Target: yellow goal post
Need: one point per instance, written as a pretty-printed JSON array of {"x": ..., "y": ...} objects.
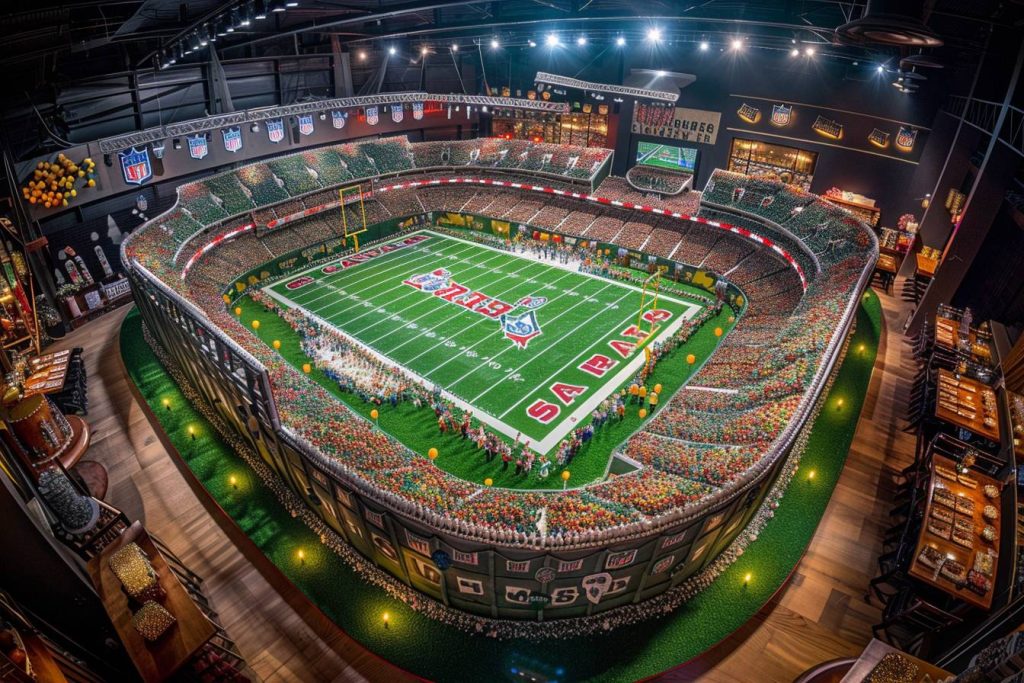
[
  {"x": 649, "y": 300},
  {"x": 352, "y": 230}
]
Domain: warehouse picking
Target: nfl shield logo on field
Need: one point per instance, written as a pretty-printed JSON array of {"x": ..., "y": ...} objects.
[
  {"x": 275, "y": 131},
  {"x": 905, "y": 139},
  {"x": 197, "y": 147},
  {"x": 371, "y": 116},
  {"x": 417, "y": 110},
  {"x": 135, "y": 166},
  {"x": 781, "y": 115},
  {"x": 232, "y": 139},
  {"x": 306, "y": 124},
  {"x": 338, "y": 119},
  {"x": 532, "y": 302},
  {"x": 397, "y": 113},
  {"x": 520, "y": 328}
]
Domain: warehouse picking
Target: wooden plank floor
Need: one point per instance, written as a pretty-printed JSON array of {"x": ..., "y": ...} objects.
[{"x": 820, "y": 615}]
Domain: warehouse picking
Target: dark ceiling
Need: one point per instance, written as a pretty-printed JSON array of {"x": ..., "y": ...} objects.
[{"x": 44, "y": 40}]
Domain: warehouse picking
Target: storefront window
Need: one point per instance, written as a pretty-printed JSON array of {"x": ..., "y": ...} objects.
[{"x": 788, "y": 164}]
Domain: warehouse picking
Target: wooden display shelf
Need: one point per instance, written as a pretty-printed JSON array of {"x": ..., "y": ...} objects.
[
  {"x": 966, "y": 405},
  {"x": 159, "y": 660},
  {"x": 955, "y": 551}
]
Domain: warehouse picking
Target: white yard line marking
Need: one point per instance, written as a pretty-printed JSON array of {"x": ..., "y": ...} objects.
[
  {"x": 412, "y": 291},
  {"x": 478, "y": 322}
]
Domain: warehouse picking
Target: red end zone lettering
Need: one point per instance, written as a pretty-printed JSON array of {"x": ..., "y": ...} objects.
[
  {"x": 623, "y": 348},
  {"x": 543, "y": 412},
  {"x": 598, "y": 365},
  {"x": 566, "y": 393}
]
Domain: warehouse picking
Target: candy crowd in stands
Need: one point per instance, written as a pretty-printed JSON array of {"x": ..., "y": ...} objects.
[{"x": 698, "y": 443}]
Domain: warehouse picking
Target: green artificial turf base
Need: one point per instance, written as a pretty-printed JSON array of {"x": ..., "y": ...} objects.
[{"x": 438, "y": 652}]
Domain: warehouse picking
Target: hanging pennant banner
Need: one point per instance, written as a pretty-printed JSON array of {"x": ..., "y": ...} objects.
[
  {"x": 397, "y": 113},
  {"x": 135, "y": 165},
  {"x": 781, "y": 115},
  {"x": 905, "y": 139},
  {"x": 338, "y": 119},
  {"x": 275, "y": 131},
  {"x": 197, "y": 146},
  {"x": 371, "y": 116},
  {"x": 417, "y": 110},
  {"x": 232, "y": 139}
]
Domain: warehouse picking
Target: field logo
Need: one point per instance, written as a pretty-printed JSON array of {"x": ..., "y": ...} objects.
[
  {"x": 306, "y": 124},
  {"x": 532, "y": 302},
  {"x": 300, "y": 282},
  {"x": 275, "y": 131},
  {"x": 520, "y": 328},
  {"x": 197, "y": 147},
  {"x": 135, "y": 166},
  {"x": 338, "y": 119},
  {"x": 781, "y": 115},
  {"x": 232, "y": 139},
  {"x": 430, "y": 282}
]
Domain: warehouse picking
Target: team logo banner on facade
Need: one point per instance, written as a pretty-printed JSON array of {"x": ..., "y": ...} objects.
[
  {"x": 828, "y": 128},
  {"x": 197, "y": 146},
  {"x": 417, "y": 110},
  {"x": 397, "y": 113},
  {"x": 905, "y": 139},
  {"x": 338, "y": 119},
  {"x": 372, "y": 116},
  {"x": 135, "y": 166},
  {"x": 878, "y": 138},
  {"x": 749, "y": 113},
  {"x": 232, "y": 139},
  {"x": 275, "y": 131},
  {"x": 306, "y": 124},
  {"x": 781, "y": 115}
]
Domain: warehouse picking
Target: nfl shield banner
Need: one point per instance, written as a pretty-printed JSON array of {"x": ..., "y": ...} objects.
[
  {"x": 338, "y": 119},
  {"x": 275, "y": 131},
  {"x": 781, "y": 115},
  {"x": 232, "y": 139},
  {"x": 905, "y": 139},
  {"x": 306, "y": 124},
  {"x": 417, "y": 110},
  {"x": 397, "y": 113},
  {"x": 135, "y": 166},
  {"x": 371, "y": 116},
  {"x": 197, "y": 147}
]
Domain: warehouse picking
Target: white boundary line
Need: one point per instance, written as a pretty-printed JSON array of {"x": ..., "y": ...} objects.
[{"x": 567, "y": 423}]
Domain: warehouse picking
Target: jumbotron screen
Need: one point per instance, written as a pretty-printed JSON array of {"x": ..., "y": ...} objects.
[{"x": 668, "y": 157}]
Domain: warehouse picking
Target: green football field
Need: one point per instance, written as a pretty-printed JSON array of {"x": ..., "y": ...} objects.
[
  {"x": 530, "y": 346},
  {"x": 661, "y": 156}
]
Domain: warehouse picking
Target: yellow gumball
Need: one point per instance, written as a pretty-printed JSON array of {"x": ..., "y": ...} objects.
[{"x": 277, "y": 344}]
